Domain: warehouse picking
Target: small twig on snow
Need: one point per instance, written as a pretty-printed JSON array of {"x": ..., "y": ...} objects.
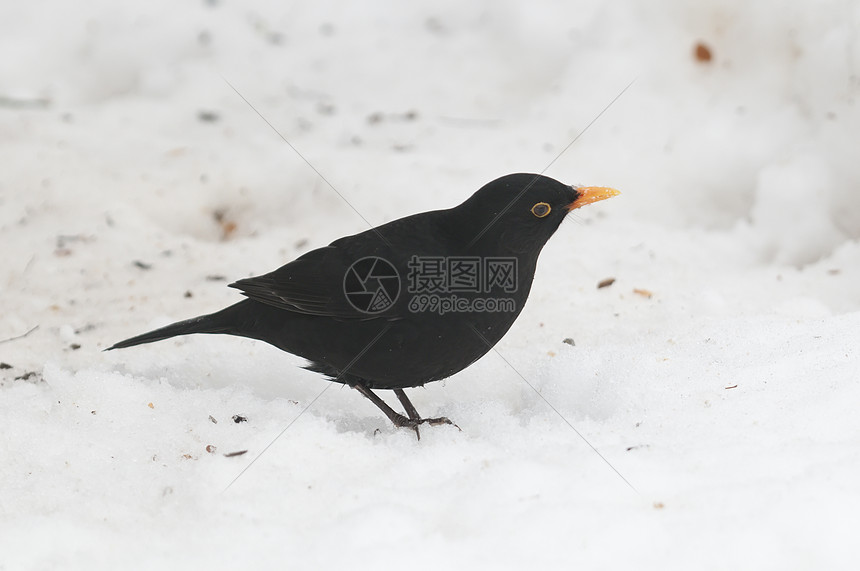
[{"x": 19, "y": 336}]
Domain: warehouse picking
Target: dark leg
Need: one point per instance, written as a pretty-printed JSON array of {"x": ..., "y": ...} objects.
[
  {"x": 407, "y": 404},
  {"x": 396, "y": 418},
  {"x": 413, "y": 414}
]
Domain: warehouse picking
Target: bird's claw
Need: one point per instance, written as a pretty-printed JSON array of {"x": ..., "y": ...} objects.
[
  {"x": 440, "y": 420},
  {"x": 401, "y": 421}
]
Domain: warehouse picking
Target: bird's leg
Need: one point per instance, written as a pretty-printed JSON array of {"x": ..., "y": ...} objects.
[
  {"x": 396, "y": 418},
  {"x": 407, "y": 404},
  {"x": 413, "y": 414}
]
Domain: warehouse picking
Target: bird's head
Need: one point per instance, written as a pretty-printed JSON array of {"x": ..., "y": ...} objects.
[{"x": 524, "y": 210}]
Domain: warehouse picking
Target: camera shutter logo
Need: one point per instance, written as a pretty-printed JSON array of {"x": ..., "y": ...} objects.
[{"x": 371, "y": 285}]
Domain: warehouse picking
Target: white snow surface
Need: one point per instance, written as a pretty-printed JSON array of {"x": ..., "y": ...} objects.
[{"x": 712, "y": 424}]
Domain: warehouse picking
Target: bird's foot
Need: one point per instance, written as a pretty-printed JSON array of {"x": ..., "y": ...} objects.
[
  {"x": 413, "y": 421},
  {"x": 401, "y": 421},
  {"x": 438, "y": 421}
]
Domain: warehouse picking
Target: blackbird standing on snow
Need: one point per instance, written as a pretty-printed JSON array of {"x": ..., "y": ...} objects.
[{"x": 407, "y": 303}]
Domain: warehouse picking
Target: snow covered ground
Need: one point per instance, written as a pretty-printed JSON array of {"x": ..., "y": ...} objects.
[{"x": 718, "y": 374}]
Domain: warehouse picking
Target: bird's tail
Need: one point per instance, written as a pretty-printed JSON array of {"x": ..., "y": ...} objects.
[{"x": 223, "y": 321}]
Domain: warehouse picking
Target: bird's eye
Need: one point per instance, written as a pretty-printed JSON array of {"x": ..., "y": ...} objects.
[{"x": 541, "y": 209}]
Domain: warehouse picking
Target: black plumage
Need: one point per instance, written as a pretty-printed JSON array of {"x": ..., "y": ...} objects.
[{"x": 361, "y": 312}]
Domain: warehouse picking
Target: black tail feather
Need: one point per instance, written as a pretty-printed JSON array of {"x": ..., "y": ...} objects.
[{"x": 220, "y": 322}]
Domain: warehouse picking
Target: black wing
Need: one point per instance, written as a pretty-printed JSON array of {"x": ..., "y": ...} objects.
[{"x": 312, "y": 284}]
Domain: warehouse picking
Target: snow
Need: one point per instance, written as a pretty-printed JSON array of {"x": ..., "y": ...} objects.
[{"x": 718, "y": 375}]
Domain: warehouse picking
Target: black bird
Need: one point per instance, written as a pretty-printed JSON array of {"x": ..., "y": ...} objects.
[{"x": 407, "y": 303}]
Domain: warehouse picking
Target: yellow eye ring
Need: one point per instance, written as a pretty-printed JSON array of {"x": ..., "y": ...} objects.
[{"x": 541, "y": 209}]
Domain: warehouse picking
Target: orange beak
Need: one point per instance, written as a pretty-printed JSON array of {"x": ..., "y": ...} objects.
[{"x": 589, "y": 194}]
